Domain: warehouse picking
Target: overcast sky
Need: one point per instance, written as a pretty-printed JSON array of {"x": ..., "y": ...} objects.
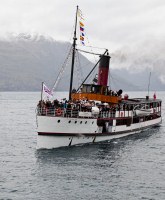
[
  {"x": 108, "y": 23},
  {"x": 132, "y": 30}
]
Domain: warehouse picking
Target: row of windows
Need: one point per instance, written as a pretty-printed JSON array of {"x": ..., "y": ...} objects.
[{"x": 75, "y": 122}]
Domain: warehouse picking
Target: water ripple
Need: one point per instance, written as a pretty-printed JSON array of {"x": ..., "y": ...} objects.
[{"x": 127, "y": 168}]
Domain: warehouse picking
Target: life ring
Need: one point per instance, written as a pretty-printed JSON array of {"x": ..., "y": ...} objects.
[{"x": 59, "y": 112}]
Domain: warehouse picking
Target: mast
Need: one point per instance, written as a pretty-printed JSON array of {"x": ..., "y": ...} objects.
[{"x": 73, "y": 56}]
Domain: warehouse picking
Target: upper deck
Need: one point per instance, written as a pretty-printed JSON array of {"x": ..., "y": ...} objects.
[
  {"x": 92, "y": 109},
  {"x": 94, "y": 92},
  {"x": 141, "y": 100}
]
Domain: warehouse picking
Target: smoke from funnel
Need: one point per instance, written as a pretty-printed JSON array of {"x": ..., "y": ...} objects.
[{"x": 144, "y": 55}]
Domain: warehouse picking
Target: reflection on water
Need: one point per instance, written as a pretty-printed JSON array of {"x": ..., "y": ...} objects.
[{"x": 123, "y": 164}]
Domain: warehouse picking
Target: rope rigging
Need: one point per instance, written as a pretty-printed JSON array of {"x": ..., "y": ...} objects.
[
  {"x": 78, "y": 69},
  {"x": 62, "y": 70},
  {"x": 88, "y": 52},
  {"x": 92, "y": 70},
  {"x": 76, "y": 56},
  {"x": 117, "y": 81}
]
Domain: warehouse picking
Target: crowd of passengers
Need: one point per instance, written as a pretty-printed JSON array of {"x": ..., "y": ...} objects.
[
  {"x": 83, "y": 105},
  {"x": 78, "y": 105}
]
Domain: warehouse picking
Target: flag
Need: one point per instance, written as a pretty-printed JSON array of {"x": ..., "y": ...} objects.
[
  {"x": 81, "y": 28},
  {"x": 154, "y": 96},
  {"x": 81, "y": 24},
  {"x": 82, "y": 34},
  {"x": 80, "y": 14},
  {"x": 47, "y": 91},
  {"x": 82, "y": 43},
  {"x": 81, "y": 38}
]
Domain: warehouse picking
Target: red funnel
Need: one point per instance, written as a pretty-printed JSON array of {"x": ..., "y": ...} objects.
[{"x": 103, "y": 70}]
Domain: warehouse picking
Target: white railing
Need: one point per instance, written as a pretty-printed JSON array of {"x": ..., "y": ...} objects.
[{"x": 59, "y": 112}]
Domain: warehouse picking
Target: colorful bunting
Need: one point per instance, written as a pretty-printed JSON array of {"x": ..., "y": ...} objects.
[{"x": 82, "y": 35}]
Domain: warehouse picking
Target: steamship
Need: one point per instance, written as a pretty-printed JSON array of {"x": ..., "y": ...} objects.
[{"x": 93, "y": 112}]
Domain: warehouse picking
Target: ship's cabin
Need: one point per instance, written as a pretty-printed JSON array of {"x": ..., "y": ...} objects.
[
  {"x": 97, "y": 89},
  {"x": 97, "y": 92}
]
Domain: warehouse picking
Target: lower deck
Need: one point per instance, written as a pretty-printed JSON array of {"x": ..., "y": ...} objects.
[
  {"x": 93, "y": 126},
  {"x": 55, "y": 140}
]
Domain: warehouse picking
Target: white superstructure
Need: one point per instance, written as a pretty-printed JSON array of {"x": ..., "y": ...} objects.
[{"x": 84, "y": 127}]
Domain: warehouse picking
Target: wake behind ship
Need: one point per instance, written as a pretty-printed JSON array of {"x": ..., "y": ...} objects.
[{"x": 94, "y": 112}]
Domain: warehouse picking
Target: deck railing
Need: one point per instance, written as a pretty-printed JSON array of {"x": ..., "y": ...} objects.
[
  {"x": 73, "y": 113},
  {"x": 59, "y": 112}
]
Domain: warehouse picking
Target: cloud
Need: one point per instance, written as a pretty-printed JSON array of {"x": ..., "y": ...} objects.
[
  {"x": 162, "y": 78},
  {"x": 145, "y": 55},
  {"x": 107, "y": 22},
  {"x": 133, "y": 31}
]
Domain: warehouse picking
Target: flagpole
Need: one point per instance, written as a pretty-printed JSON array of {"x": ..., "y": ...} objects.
[
  {"x": 149, "y": 83},
  {"x": 73, "y": 56},
  {"x": 42, "y": 91}
]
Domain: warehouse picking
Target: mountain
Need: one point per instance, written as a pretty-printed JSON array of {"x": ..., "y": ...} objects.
[
  {"x": 136, "y": 80},
  {"x": 26, "y": 61}
]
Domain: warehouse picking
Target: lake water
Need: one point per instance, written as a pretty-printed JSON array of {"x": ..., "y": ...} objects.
[{"x": 132, "y": 167}]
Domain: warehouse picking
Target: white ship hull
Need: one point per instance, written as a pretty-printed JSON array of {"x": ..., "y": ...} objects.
[{"x": 54, "y": 132}]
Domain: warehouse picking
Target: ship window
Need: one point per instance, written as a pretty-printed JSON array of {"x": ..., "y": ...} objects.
[
  {"x": 58, "y": 121},
  {"x": 86, "y": 122},
  {"x": 154, "y": 104},
  {"x": 81, "y": 122},
  {"x": 88, "y": 89},
  {"x": 110, "y": 122},
  {"x": 92, "y": 122},
  {"x": 136, "y": 120},
  {"x": 75, "y": 122},
  {"x": 120, "y": 122},
  {"x": 69, "y": 121}
]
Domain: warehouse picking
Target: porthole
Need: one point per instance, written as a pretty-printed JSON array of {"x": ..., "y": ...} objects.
[
  {"x": 86, "y": 122},
  {"x": 58, "y": 121},
  {"x": 69, "y": 121},
  {"x": 75, "y": 122},
  {"x": 81, "y": 122},
  {"x": 92, "y": 122}
]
